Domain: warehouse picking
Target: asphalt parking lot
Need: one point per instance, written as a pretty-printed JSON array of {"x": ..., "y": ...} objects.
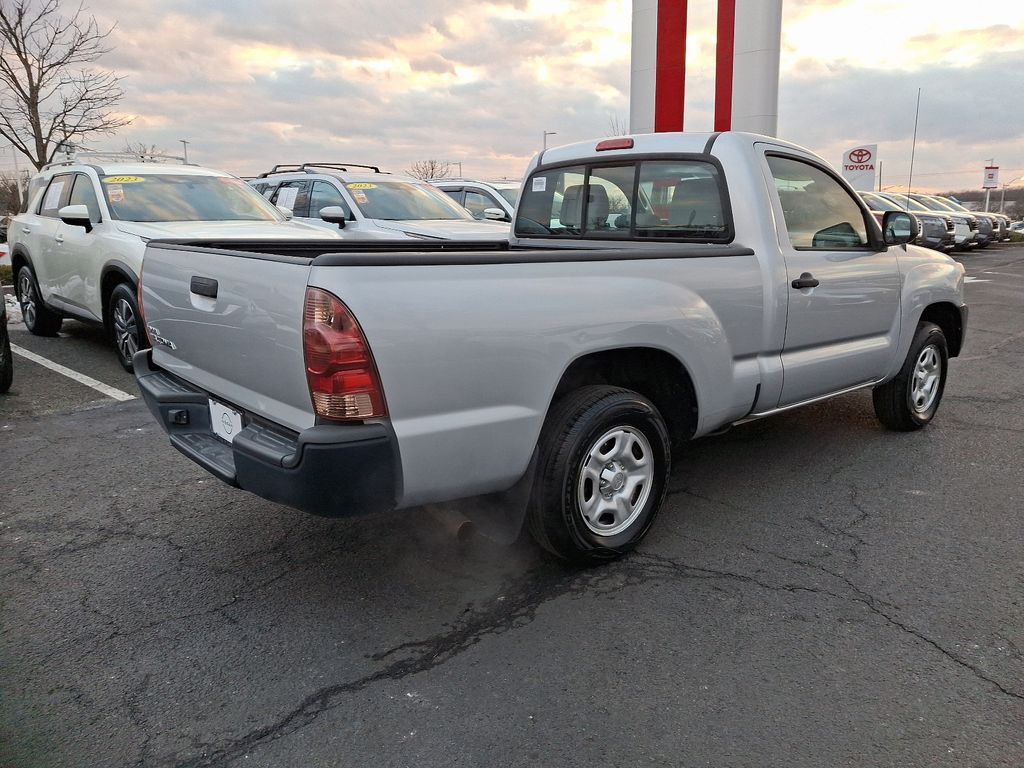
[{"x": 816, "y": 592}]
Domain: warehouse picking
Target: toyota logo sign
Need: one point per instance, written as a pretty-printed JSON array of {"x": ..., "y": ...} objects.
[{"x": 860, "y": 155}]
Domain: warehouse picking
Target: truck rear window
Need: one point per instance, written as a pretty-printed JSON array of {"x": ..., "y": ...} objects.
[{"x": 652, "y": 199}]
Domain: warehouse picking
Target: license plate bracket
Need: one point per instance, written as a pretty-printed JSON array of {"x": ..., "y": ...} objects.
[{"x": 225, "y": 422}]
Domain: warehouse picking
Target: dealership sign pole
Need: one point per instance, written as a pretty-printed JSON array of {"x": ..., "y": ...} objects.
[
  {"x": 746, "y": 66},
  {"x": 990, "y": 181}
]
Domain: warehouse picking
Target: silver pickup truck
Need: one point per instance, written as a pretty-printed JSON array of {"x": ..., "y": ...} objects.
[{"x": 657, "y": 288}]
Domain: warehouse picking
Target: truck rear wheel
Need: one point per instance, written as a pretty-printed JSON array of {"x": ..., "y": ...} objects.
[
  {"x": 604, "y": 457},
  {"x": 910, "y": 400}
]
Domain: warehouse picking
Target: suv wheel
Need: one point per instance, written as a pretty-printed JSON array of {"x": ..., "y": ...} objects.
[
  {"x": 126, "y": 324},
  {"x": 38, "y": 319}
]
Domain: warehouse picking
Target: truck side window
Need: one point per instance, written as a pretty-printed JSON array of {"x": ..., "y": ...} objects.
[
  {"x": 819, "y": 212},
  {"x": 83, "y": 193},
  {"x": 680, "y": 200}
]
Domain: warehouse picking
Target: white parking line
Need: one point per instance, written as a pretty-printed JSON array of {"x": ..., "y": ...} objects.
[{"x": 112, "y": 392}]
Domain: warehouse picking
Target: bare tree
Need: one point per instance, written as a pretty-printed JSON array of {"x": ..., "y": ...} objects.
[
  {"x": 48, "y": 93},
  {"x": 143, "y": 150},
  {"x": 429, "y": 169},
  {"x": 617, "y": 126}
]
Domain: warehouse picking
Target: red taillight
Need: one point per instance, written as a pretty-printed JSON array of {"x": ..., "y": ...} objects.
[
  {"x": 343, "y": 381},
  {"x": 614, "y": 144}
]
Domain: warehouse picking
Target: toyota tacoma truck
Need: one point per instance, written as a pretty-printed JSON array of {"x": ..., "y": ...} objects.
[{"x": 657, "y": 288}]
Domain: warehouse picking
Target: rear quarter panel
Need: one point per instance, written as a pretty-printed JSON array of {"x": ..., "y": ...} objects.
[{"x": 470, "y": 356}]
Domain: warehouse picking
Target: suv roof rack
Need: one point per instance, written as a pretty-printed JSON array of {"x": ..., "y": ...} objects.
[
  {"x": 306, "y": 168},
  {"x": 84, "y": 157}
]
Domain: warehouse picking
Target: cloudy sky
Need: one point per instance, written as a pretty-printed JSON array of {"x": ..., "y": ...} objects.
[{"x": 251, "y": 83}]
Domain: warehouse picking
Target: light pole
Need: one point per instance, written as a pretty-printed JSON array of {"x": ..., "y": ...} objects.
[
  {"x": 546, "y": 134},
  {"x": 184, "y": 144},
  {"x": 1002, "y": 193}
]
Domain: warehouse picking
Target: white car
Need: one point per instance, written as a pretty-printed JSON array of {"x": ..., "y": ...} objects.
[
  {"x": 366, "y": 204},
  {"x": 494, "y": 200},
  {"x": 76, "y": 249}
]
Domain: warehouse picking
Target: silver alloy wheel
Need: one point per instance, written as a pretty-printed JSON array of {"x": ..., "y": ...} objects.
[
  {"x": 125, "y": 329},
  {"x": 924, "y": 384},
  {"x": 27, "y": 296},
  {"x": 615, "y": 480}
]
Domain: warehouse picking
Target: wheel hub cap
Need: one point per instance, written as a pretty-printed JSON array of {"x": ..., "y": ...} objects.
[
  {"x": 614, "y": 481},
  {"x": 924, "y": 383}
]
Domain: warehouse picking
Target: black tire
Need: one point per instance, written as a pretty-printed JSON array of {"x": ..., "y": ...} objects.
[
  {"x": 898, "y": 404},
  {"x": 126, "y": 326},
  {"x": 37, "y": 318},
  {"x": 566, "y": 477},
  {"x": 6, "y": 361}
]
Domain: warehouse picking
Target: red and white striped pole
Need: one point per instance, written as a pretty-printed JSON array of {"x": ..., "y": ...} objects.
[{"x": 746, "y": 66}]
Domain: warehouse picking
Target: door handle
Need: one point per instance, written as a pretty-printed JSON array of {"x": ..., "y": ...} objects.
[
  {"x": 203, "y": 286},
  {"x": 59, "y": 239},
  {"x": 27, "y": 230},
  {"x": 806, "y": 280}
]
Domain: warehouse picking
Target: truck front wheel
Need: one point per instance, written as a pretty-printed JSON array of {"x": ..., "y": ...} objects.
[
  {"x": 605, "y": 455},
  {"x": 910, "y": 400}
]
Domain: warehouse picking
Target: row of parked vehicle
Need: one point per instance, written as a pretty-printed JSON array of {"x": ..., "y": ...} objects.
[
  {"x": 945, "y": 224},
  {"x": 76, "y": 248}
]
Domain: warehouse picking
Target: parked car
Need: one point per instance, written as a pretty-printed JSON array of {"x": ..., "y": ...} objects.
[
  {"x": 937, "y": 229},
  {"x": 76, "y": 249},
  {"x": 965, "y": 226},
  {"x": 369, "y": 205},
  {"x": 484, "y": 199},
  {"x": 6, "y": 358},
  {"x": 988, "y": 225},
  {"x": 554, "y": 377}
]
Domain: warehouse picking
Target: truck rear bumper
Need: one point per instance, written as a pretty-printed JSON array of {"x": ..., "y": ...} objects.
[{"x": 333, "y": 470}]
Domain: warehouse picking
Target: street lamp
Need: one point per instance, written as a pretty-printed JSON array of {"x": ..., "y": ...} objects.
[
  {"x": 1002, "y": 193},
  {"x": 184, "y": 144},
  {"x": 546, "y": 134}
]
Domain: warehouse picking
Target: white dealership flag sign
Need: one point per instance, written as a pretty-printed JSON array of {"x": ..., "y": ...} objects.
[
  {"x": 859, "y": 166},
  {"x": 991, "y": 178}
]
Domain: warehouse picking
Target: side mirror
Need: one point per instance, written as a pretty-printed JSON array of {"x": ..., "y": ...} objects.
[
  {"x": 334, "y": 214},
  {"x": 495, "y": 214},
  {"x": 899, "y": 227},
  {"x": 286, "y": 211},
  {"x": 76, "y": 216}
]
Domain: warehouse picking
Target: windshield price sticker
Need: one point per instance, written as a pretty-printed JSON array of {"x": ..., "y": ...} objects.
[
  {"x": 360, "y": 197},
  {"x": 361, "y": 185},
  {"x": 53, "y": 195},
  {"x": 123, "y": 180},
  {"x": 115, "y": 193},
  {"x": 540, "y": 183}
]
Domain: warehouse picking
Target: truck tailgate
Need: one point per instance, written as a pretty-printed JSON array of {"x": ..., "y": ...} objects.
[{"x": 232, "y": 326}]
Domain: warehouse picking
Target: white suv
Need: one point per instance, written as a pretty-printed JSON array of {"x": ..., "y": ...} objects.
[
  {"x": 76, "y": 249},
  {"x": 367, "y": 204},
  {"x": 494, "y": 200}
]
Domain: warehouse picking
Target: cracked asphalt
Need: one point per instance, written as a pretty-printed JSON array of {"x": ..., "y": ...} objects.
[{"x": 816, "y": 592}]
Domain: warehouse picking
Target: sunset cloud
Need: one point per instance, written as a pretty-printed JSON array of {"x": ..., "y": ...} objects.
[{"x": 251, "y": 83}]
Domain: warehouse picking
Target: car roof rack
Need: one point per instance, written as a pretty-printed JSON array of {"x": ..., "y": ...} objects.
[
  {"x": 86, "y": 157},
  {"x": 308, "y": 168},
  {"x": 340, "y": 166}
]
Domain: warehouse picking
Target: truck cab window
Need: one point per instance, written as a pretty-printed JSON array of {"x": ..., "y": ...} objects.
[
  {"x": 680, "y": 200},
  {"x": 819, "y": 212}
]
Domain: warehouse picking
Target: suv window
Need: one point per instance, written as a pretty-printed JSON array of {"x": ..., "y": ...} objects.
[
  {"x": 672, "y": 199},
  {"x": 37, "y": 183},
  {"x": 478, "y": 202},
  {"x": 83, "y": 193},
  {"x": 294, "y": 195},
  {"x": 55, "y": 194},
  {"x": 819, "y": 212},
  {"x": 324, "y": 195}
]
